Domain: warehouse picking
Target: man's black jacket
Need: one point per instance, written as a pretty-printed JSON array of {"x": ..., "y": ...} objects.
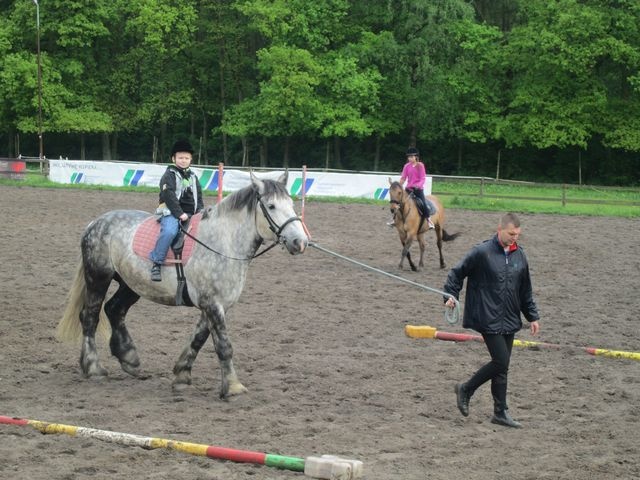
[{"x": 498, "y": 288}]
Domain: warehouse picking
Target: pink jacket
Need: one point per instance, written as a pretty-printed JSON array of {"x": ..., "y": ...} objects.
[{"x": 415, "y": 176}]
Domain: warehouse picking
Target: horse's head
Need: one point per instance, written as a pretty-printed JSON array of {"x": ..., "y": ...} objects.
[
  {"x": 278, "y": 221},
  {"x": 396, "y": 196}
]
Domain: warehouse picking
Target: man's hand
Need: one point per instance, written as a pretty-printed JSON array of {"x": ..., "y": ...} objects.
[{"x": 534, "y": 327}]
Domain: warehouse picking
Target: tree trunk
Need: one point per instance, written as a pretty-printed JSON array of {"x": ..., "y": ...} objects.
[
  {"x": 459, "y": 155},
  {"x": 413, "y": 137},
  {"x": 376, "y": 156},
  {"x": 154, "y": 150},
  {"x": 198, "y": 159},
  {"x": 245, "y": 152},
  {"x": 498, "y": 165},
  {"x": 17, "y": 145},
  {"x": 82, "y": 147},
  {"x": 286, "y": 152},
  {"x": 579, "y": 167},
  {"x": 264, "y": 152},
  {"x": 336, "y": 153},
  {"x": 223, "y": 99},
  {"x": 163, "y": 141},
  {"x": 204, "y": 139},
  {"x": 106, "y": 147},
  {"x": 327, "y": 155},
  {"x": 114, "y": 145}
]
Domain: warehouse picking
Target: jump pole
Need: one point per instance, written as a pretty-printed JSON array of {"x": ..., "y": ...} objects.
[
  {"x": 325, "y": 467},
  {"x": 424, "y": 331}
]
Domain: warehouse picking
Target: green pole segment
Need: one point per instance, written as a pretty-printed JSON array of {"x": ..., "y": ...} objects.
[{"x": 285, "y": 463}]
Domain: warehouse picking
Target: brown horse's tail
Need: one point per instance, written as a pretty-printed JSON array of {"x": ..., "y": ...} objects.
[
  {"x": 448, "y": 238},
  {"x": 69, "y": 328}
]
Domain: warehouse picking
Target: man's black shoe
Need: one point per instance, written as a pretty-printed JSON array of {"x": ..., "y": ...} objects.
[
  {"x": 462, "y": 399},
  {"x": 156, "y": 274},
  {"x": 503, "y": 418}
]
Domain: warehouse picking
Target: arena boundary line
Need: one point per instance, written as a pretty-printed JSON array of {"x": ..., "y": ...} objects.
[
  {"x": 324, "y": 467},
  {"x": 425, "y": 331}
]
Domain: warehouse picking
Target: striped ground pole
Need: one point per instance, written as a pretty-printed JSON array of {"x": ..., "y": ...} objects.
[
  {"x": 222, "y": 453},
  {"x": 424, "y": 331}
]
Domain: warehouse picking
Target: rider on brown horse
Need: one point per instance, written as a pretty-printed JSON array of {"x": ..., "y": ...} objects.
[{"x": 414, "y": 174}]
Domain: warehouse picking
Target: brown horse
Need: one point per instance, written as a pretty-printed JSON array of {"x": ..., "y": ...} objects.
[{"x": 412, "y": 226}]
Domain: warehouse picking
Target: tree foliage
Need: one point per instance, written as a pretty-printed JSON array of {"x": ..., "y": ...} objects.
[{"x": 535, "y": 79}]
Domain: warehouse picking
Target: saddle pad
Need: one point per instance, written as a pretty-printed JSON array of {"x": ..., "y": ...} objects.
[{"x": 144, "y": 239}]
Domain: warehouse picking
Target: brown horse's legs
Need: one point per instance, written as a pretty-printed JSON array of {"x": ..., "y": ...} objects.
[
  {"x": 406, "y": 253},
  {"x": 439, "y": 231},
  {"x": 423, "y": 245}
]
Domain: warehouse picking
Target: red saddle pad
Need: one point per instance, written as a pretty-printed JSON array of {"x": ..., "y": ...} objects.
[{"x": 144, "y": 240}]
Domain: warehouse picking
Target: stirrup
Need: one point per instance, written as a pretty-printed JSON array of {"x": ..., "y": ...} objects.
[{"x": 156, "y": 273}]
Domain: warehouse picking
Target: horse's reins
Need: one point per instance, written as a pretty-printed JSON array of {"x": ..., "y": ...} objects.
[{"x": 273, "y": 226}]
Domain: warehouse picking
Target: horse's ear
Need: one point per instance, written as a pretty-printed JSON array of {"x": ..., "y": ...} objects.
[
  {"x": 284, "y": 177},
  {"x": 256, "y": 183},
  {"x": 390, "y": 181}
]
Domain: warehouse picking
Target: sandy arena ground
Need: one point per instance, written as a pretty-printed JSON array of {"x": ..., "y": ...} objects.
[{"x": 320, "y": 345}]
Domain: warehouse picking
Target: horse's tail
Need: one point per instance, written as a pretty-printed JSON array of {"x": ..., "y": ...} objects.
[
  {"x": 449, "y": 237},
  {"x": 69, "y": 328}
]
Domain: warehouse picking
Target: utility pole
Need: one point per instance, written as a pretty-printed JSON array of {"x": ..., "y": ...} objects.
[{"x": 41, "y": 151}]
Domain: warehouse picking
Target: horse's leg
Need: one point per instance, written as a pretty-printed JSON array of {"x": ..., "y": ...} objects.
[
  {"x": 439, "y": 231},
  {"x": 405, "y": 253},
  {"x": 89, "y": 317},
  {"x": 230, "y": 383},
  {"x": 182, "y": 368},
  {"x": 423, "y": 245},
  {"x": 122, "y": 346}
]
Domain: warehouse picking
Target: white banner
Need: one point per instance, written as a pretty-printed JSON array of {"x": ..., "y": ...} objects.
[{"x": 320, "y": 184}]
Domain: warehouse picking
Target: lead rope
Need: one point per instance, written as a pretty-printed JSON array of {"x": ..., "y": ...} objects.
[{"x": 451, "y": 315}]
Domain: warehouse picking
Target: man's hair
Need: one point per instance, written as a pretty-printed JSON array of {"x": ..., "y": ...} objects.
[{"x": 509, "y": 218}]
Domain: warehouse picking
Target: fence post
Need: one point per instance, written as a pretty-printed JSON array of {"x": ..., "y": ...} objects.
[
  {"x": 481, "y": 186},
  {"x": 220, "y": 177},
  {"x": 564, "y": 195}
]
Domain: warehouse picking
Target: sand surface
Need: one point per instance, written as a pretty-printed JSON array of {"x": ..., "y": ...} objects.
[{"x": 320, "y": 345}]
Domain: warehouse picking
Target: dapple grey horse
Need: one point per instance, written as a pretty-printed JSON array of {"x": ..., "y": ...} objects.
[{"x": 228, "y": 238}]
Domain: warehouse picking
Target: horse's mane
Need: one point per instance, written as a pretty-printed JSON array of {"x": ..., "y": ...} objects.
[{"x": 247, "y": 197}]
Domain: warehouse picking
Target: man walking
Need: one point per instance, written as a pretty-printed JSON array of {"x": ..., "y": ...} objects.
[{"x": 498, "y": 291}]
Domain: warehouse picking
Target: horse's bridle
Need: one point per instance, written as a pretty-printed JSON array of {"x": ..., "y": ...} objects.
[
  {"x": 273, "y": 226},
  {"x": 399, "y": 203}
]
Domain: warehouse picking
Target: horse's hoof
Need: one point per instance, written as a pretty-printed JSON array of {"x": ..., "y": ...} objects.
[
  {"x": 96, "y": 373},
  {"x": 133, "y": 371},
  {"x": 232, "y": 390},
  {"x": 236, "y": 389},
  {"x": 98, "y": 377},
  {"x": 179, "y": 387}
]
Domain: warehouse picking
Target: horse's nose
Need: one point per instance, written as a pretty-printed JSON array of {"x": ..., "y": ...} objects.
[{"x": 298, "y": 245}]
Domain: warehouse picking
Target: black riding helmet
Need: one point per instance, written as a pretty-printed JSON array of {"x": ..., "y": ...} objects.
[
  {"x": 181, "y": 146},
  {"x": 413, "y": 151}
]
